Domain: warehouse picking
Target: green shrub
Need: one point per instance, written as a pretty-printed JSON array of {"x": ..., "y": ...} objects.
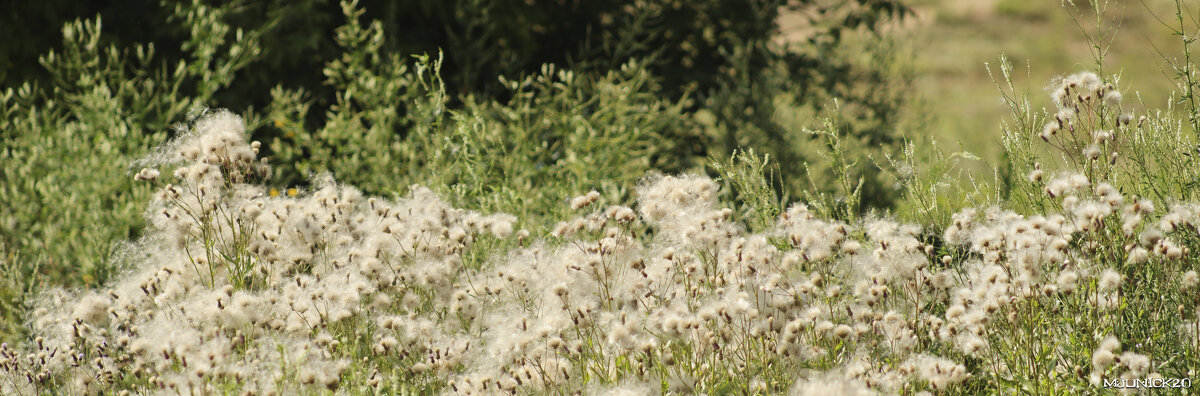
[
  {"x": 559, "y": 133},
  {"x": 67, "y": 196},
  {"x": 712, "y": 57},
  {"x": 68, "y": 192}
]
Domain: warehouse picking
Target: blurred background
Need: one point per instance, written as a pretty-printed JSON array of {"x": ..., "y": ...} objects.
[{"x": 954, "y": 40}]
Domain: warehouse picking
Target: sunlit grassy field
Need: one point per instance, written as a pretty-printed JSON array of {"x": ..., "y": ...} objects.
[{"x": 955, "y": 40}]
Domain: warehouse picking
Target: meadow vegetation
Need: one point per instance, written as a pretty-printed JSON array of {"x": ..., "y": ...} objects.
[{"x": 589, "y": 229}]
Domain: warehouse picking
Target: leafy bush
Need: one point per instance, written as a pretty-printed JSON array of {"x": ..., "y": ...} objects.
[
  {"x": 687, "y": 42},
  {"x": 68, "y": 147},
  {"x": 559, "y": 131}
]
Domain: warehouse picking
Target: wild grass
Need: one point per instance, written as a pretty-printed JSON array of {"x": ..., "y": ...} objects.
[
  {"x": 1042, "y": 41},
  {"x": 556, "y": 242}
]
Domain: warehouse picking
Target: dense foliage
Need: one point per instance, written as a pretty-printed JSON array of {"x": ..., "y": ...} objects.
[
  {"x": 108, "y": 91},
  {"x": 657, "y": 198}
]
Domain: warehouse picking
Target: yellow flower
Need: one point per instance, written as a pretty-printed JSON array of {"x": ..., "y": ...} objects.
[
  {"x": 292, "y": 192},
  {"x": 274, "y": 192}
]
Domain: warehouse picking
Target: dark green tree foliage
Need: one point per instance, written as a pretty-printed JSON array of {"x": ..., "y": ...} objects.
[
  {"x": 689, "y": 40},
  {"x": 693, "y": 47}
]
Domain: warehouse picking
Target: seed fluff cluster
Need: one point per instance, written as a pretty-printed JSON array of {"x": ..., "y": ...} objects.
[{"x": 234, "y": 290}]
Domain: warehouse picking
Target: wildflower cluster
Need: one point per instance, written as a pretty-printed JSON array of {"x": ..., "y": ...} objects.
[
  {"x": 1088, "y": 126},
  {"x": 237, "y": 290}
]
